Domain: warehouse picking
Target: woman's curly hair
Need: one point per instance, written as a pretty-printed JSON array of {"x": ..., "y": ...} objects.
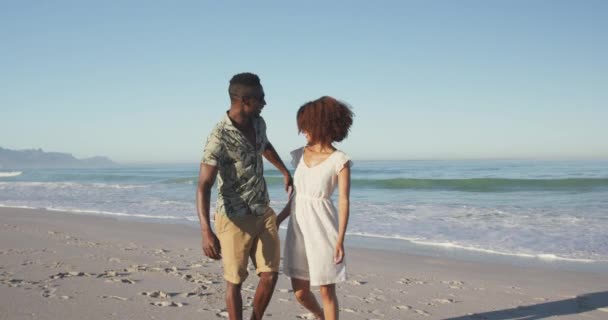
[{"x": 325, "y": 120}]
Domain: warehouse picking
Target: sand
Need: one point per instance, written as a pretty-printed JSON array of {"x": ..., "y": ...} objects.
[{"x": 56, "y": 265}]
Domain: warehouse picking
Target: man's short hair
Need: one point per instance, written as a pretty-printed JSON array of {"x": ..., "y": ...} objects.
[
  {"x": 325, "y": 120},
  {"x": 242, "y": 84}
]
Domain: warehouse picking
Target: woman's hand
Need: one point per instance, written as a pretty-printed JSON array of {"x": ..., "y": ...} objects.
[{"x": 339, "y": 253}]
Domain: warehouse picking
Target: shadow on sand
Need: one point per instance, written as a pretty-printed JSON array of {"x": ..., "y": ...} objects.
[{"x": 579, "y": 304}]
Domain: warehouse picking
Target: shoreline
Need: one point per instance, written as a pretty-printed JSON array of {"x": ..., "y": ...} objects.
[
  {"x": 384, "y": 243},
  {"x": 61, "y": 265}
]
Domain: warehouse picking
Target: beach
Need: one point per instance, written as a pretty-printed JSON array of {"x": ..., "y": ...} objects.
[{"x": 56, "y": 265}]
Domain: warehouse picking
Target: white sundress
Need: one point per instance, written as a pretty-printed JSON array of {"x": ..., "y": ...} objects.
[{"x": 312, "y": 232}]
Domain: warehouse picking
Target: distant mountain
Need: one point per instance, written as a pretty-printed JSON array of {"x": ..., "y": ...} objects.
[{"x": 37, "y": 158}]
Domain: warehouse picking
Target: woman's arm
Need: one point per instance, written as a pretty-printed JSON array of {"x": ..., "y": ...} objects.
[{"x": 343, "y": 211}]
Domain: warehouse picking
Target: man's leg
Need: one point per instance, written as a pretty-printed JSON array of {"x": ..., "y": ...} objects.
[
  {"x": 234, "y": 301},
  {"x": 266, "y": 254},
  {"x": 236, "y": 242},
  {"x": 263, "y": 294}
]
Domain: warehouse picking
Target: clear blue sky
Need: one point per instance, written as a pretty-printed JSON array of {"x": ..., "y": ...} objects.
[{"x": 146, "y": 80}]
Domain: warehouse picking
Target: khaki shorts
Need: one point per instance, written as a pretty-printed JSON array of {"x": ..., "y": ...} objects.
[{"x": 249, "y": 236}]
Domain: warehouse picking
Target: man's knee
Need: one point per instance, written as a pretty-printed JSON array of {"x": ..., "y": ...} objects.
[
  {"x": 232, "y": 287},
  {"x": 269, "y": 277}
]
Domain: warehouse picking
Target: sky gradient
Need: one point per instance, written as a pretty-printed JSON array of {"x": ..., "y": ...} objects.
[{"x": 145, "y": 81}]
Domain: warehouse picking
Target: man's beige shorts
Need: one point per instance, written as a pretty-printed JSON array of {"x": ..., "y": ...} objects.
[{"x": 250, "y": 236}]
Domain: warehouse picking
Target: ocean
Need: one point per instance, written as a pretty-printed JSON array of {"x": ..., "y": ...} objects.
[{"x": 547, "y": 210}]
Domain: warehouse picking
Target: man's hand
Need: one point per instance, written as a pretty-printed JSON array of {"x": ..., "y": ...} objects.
[{"x": 211, "y": 245}]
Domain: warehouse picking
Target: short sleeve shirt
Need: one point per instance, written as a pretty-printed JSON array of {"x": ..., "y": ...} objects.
[{"x": 241, "y": 186}]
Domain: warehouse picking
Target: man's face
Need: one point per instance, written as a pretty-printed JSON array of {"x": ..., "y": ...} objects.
[{"x": 254, "y": 102}]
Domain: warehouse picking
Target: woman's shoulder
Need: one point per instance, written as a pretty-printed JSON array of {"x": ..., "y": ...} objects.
[
  {"x": 341, "y": 160},
  {"x": 339, "y": 154},
  {"x": 296, "y": 155},
  {"x": 297, "y": 151}
]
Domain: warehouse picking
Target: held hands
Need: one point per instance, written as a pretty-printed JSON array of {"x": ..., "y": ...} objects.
[
  {"x": 286, "y": 210},
  {"x": 288, "y": 180},
  {"x": 339, "y": 253},
  {"x": 211, "y": 245}
]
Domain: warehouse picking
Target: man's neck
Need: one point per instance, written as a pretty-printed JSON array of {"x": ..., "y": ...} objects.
[{"x": 238, "y": 119}]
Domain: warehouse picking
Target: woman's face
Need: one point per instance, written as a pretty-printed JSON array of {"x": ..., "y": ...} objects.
[{"x": 307, "y": 136}]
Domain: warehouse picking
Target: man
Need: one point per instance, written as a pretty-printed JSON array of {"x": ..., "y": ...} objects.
[{"x": 244, "y": 222}]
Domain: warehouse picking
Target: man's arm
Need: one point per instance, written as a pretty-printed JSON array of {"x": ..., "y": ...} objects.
[
  {"x": 206, "y": 179},
  {"x": 271, "y": 155},
  {"x": 285, "y": 212}
]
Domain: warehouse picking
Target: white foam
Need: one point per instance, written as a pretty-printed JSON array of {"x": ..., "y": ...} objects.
[
  {"x": 10, "y": 174},
  {"x": 16, "y": 206},
  {"x": 452, "y": 245},
  {"x": 110, "y": 213},
  {"x": 63, "y": 185}
]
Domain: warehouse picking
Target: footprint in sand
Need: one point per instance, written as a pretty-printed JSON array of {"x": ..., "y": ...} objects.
[
  {"x": 249, "y": 288},
  {"x": 306, "y": 316},
  {"x": 13, "y": 283},
  {"x": 444, "y": 301},
  {"x": 161, "y": 251},
  {"x": 454, "y": 284},
  {"x": 115, "y": 297},
  {"x": 377, "y": 312},
  {"x": 196, "y": 265},
  {"x": 422, "y": 312},
  {"x": 222, "y": 314},
  {"x": 135, "y": 268},
  {"x": 441, "y": 301},
  {"x": 402, "y": 307},
  {"x": 49, "y": 293},
  {"x": 189, "y": 294},
  {"x": 125, "y": 280},
  {"x": 356, "y": 282},
  {"x": 168, "y": 304},
  {"x": 155, "y": 294},
  {"x": 62, "y": 275},
  {"x": 409, "y": 281}
]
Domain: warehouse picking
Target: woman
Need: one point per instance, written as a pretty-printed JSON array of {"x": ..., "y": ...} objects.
[{"x": 314, "y": 245}]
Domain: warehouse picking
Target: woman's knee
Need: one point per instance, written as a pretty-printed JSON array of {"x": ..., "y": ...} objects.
[
  {"x": 328, "y": 292},
  {"x": 302, "y": 294}
]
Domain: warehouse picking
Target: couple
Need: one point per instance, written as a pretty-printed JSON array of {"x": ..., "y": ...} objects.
[{"x": 246, "y": 226}]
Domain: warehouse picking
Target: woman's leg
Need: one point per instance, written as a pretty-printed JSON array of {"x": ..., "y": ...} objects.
[
  {"x": 301, "y": 289},
  {"x": 330, "y": 301}
]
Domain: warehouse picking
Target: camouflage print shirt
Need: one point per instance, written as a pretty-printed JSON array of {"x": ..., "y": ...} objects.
[{"x": 241, "y": 185}]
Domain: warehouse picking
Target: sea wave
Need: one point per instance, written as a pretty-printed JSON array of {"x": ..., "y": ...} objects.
[
  {"x": 184, "y": 180},
  {"x": 10, "y": 174},
  {"x": 467, "y": 185},
  {"x": 65, "y": 185},
  {"x": 487, "y": 184},
  {"x": 454, "y": 245}
]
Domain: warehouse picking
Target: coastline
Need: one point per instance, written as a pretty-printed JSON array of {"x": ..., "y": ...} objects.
[
  {"x": 65, "y": 265},
  {"x": 394, "y": 244}
]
